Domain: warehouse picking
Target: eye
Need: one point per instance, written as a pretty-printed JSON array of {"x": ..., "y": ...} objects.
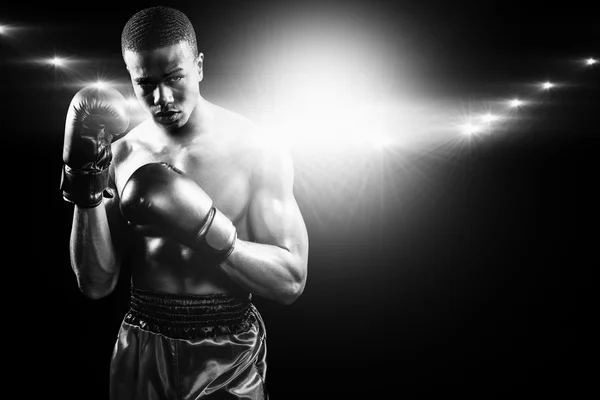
[
  {"x": 174, "y": 79},
  {"x": 145, "y": 84}
]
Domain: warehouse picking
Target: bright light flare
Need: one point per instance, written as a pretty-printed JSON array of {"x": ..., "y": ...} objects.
[
  {"x": 7, "y": 30},
  {"x": 469, "y": 121},
  {"x": 547, "y": 85},
  {"x": 516, "y": 103},
  {"x": 132, "y": 102},
  {"x": 57, "y": 61},
  {"x": 489, "y": 118},
  {"x": 590, "y": 61},
  {"x": 100, "y": 84},
  {"x": 470, "y": 128},
  {"x": 381, "y": 141},
  {"x": 62, "y": 65}
]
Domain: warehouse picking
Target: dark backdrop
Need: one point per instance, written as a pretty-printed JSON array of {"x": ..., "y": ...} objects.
[{"x": 474, "y": 274}]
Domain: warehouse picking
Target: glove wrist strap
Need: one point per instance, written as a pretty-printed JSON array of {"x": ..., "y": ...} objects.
[
  {"x": 217, "y": 236},
  {"x": 84, "y": 188}
]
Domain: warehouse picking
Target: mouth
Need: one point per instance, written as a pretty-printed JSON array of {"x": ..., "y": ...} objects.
[{"x": 167, "y": 117}]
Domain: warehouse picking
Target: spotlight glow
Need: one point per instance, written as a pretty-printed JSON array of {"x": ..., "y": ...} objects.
[
  {"x": 381, "y": 141},
  {"x": 547, "y": 85},
  {"x": 132, "y": 102},
  {"x": 590, "y": 61},
  {"x": 489, "y": 118},
  {"x": 516, "y": 103},
  {"x": 470, "y": 128},
  {"x": 57, "y": 61},
  {"x": 100, "y": 84},
  {"x": 7, "y": 30},
  {"x": 10, "y": 31}
]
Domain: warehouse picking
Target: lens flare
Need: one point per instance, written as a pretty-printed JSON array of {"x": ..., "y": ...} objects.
[
  {"x": 57, "y": 61},
  {"x": 516, "y": 103}
]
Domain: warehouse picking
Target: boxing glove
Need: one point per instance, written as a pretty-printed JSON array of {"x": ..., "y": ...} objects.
[
  {"x": 161, "y": 196},
  {"x": 96, "y": 117}
]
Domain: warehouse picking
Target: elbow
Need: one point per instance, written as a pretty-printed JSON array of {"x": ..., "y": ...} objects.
[
  {"x": 294, "y": 288},
  {"x": 291, "y": 295},
  {"x": 95, "y": 290},
  {"x": 94, "y": 294}
]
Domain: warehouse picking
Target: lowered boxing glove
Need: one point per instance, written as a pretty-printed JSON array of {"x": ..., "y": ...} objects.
[
  {"x": 160, "y": 195},
  {"x": 96, "y": 117}
]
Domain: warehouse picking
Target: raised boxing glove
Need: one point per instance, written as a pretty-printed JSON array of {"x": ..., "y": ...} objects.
[
  {"x": 96, "y": 117},
  {"x": 162, "y": 196}
]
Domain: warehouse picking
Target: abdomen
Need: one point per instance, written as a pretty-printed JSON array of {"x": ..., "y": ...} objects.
[{"x": 163, "y": 264}]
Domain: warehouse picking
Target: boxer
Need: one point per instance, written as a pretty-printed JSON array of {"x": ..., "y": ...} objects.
[{"x": 201, "y": 207}]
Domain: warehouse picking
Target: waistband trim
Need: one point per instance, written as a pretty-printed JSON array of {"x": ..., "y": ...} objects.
[{"x": 187, "y": 316}]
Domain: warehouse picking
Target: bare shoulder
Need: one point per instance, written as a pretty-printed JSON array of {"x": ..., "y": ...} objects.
[
  {"x": 272, "y": 152},
  {"x": 273, "y": 164},
  {"x": 244, "y": 133},
  {"x": 233, "y": 124},
  {"x": 271, "y": 160}
]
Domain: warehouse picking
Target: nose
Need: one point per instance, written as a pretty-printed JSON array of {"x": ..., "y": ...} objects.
[{"x": 162, "y": 95}]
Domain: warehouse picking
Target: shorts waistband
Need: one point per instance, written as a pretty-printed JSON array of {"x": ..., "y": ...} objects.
[{"x": 188, "y": 316}]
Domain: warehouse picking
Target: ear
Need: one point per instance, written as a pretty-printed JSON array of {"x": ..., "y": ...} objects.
[{"x": 200, "y": 66}]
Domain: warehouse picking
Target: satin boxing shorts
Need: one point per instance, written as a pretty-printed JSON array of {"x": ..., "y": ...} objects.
[{"x": 180, "y": 346}]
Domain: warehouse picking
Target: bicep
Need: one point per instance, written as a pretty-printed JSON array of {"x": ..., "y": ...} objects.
[
  {"x": 276, "y": 220},
  {"x": 275, "y": 217}
]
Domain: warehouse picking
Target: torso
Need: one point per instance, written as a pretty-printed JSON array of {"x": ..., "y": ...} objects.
[{"x": 220, "y": 160}]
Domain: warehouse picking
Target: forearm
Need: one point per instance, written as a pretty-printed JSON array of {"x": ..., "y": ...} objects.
[
  {"x": 266, "y": 270},
  {"x": 93, "y": 256}
]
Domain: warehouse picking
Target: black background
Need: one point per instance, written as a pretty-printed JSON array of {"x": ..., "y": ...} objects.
[{"x": 476, "y": 277}]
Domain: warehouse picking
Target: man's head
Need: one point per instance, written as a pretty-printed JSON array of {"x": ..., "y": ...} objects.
[
  {"x": 161, "y": 54},
  {"x": 157, "y": 27}
]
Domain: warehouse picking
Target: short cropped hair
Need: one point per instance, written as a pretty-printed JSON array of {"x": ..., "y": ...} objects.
[{"x": 156, "y": 27}]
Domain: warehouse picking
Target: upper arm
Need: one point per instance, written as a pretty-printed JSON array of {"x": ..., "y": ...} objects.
[{"x": 275, "y": 217}]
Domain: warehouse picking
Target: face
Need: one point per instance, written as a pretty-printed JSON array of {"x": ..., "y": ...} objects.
[{"x": 165, "y": 81}]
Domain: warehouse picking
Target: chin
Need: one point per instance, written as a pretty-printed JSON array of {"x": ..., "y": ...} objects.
[{"x": 171, "y": 127}]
